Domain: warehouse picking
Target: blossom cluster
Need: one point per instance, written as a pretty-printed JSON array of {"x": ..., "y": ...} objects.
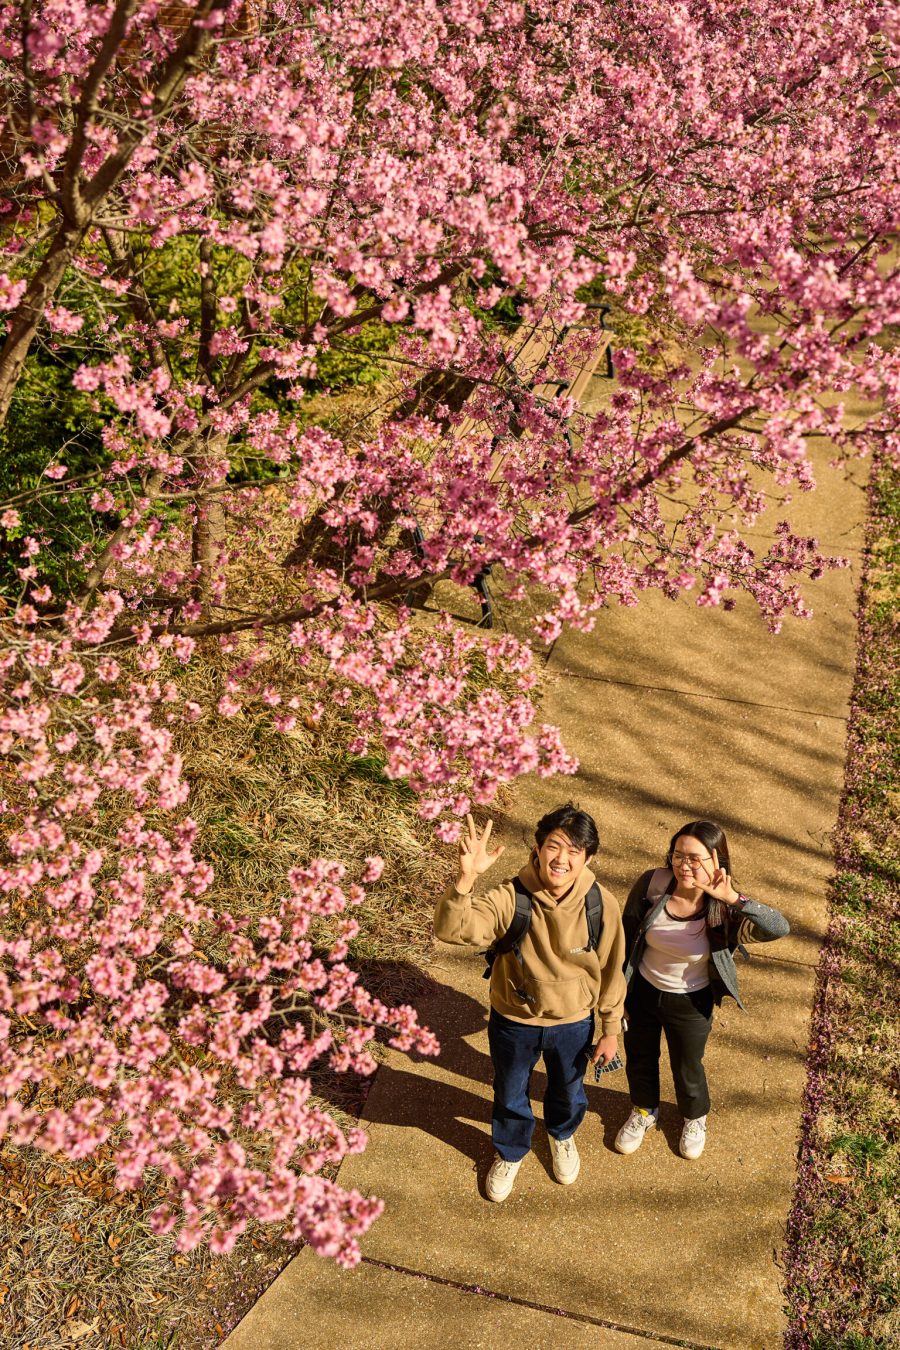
[
  {"x": 136, "y": 1018},
  {"x": 301, "y": 176}
]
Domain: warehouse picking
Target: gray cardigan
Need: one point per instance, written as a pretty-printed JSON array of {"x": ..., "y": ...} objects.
[{"x": 753, "y": 922}]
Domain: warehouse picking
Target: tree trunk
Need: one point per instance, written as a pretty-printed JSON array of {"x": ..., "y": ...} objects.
[
  {"x": 30, "y": 312},
  {"x": 208, "y": 530}
]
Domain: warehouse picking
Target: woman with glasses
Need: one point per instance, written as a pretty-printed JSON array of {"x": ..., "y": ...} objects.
[{"x": 682, "y": 924}]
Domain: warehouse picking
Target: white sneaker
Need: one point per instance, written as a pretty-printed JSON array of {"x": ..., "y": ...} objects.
[
  {"x": 500, "y": 1178},
  {"x": 631, "y": 1135},
  {"x": 566, "y": 1162},
  {"x": 693, "y": 1138}
]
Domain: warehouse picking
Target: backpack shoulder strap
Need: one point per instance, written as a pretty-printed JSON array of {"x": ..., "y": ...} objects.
[
  {"x": 518, "y": 927},
  {"x": 521, "y": 920},
  {"x": 657, "y": 887},
  {"x": 659, "y": 883},
  {"x": 593, "y": 909}
]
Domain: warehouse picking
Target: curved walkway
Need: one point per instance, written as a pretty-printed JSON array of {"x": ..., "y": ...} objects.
[{"x": 675, "y": 712}]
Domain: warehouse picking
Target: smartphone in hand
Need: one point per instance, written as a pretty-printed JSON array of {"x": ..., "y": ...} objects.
[{"x": 607, "y": 1066}]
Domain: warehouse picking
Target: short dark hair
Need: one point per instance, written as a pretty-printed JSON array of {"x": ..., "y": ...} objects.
[{"x": 577, "y": 824}]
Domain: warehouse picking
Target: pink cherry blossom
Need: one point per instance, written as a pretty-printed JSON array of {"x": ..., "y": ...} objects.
[{"x": 399, "y": 175}]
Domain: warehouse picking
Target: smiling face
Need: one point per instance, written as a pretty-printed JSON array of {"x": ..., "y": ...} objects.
[
  {"x": 559, "y": 863},
  {"x": 691, "y": 861}
]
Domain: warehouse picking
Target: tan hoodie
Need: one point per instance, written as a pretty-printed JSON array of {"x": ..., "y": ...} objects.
[{"x": 557, "y": 980}]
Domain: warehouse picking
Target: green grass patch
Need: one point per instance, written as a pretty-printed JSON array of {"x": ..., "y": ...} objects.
[
  {"x": 844, "y": 1229},
  {"x": 371, "y": 769}
]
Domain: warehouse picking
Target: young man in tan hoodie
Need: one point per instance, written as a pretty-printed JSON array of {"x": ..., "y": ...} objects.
[{"x": 547, "y": 996}]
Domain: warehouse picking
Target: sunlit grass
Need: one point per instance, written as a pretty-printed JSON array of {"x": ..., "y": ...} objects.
[{"x": 844, "y": 1232}]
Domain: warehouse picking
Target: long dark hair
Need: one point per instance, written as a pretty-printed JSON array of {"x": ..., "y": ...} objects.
[{"x": 711, "y": 836}]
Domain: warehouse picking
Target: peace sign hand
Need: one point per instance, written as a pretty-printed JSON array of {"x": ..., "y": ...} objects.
[
  {"x": 719, "y": 886},
  {"x": 474, "y": 857}
]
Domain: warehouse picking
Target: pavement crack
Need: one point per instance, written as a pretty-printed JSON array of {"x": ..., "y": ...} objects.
[
  {"x": 786, "y": 960},
  {"x": 694, "y": 693},
  {"x": 478, "y": 1291}
]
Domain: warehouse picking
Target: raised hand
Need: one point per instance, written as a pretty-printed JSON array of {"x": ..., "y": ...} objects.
[
  {"x": 719, "y": 885},
  {"x": 474, "y": 855}
]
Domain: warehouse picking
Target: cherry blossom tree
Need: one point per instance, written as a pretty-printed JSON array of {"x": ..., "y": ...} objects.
[{"x": 209, "y": 206}]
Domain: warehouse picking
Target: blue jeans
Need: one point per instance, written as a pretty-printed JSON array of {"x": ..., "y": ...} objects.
[{"x": 515, "y": 1049}]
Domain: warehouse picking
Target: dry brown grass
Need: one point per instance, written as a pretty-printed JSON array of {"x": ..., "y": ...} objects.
[{"x": 80, "y": 1265}]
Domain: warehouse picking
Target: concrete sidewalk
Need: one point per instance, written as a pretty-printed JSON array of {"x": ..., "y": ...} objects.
[{"x": 675, "y": 713}]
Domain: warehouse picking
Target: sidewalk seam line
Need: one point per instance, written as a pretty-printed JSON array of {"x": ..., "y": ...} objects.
[
  {"x": 787, "y": 961},
  {"x": 477, "y": 1291},
  {"x": 692, "y": 693}
]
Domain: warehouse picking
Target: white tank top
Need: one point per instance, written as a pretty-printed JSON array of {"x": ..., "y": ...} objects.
[{"x": 676, "y": 955}]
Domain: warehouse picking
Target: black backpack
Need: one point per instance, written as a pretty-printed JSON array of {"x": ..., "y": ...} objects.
[{"x": 511, "y": 940}]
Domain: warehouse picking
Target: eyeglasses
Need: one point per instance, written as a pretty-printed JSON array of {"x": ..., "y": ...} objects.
[{"x": 693, "y": 860}]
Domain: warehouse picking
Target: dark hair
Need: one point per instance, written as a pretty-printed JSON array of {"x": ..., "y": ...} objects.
[
  {"x": 577, "y": 824},
  {"x": 711, "y": 836}
]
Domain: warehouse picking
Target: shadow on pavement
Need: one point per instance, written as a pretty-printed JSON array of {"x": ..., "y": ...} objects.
[{"x": 458, "y": 1117}]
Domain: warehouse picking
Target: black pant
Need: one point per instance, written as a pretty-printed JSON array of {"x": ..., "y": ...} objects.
[{"x": 686, "y": 1020}]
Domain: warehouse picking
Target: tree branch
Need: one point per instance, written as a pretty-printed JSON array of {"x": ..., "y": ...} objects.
[{"x": 73, "y": 204}]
